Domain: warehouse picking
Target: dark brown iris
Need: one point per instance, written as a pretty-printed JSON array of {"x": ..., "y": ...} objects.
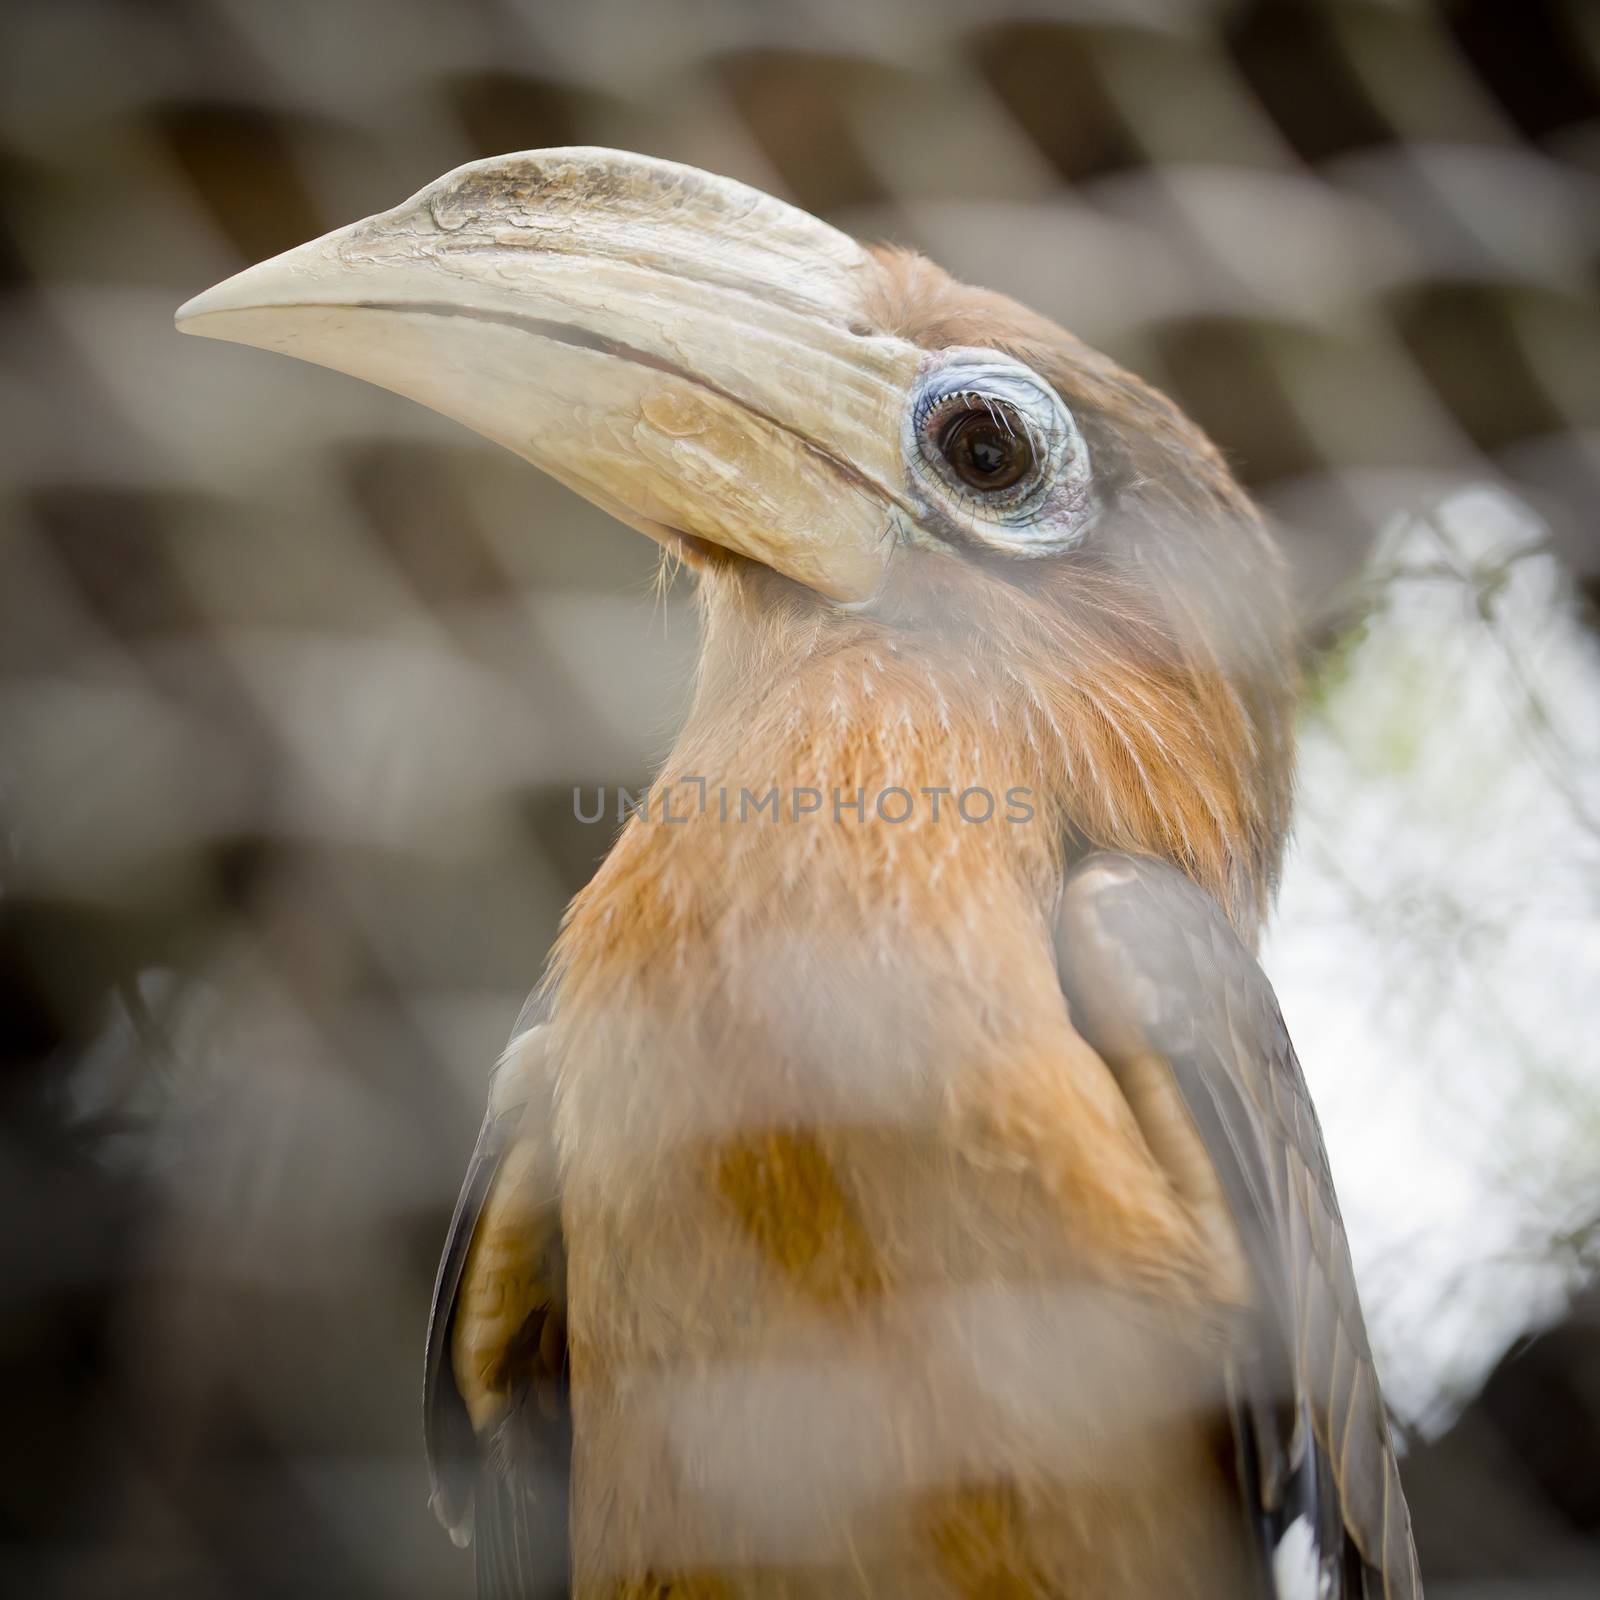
[{"x": 986, "y": 447}]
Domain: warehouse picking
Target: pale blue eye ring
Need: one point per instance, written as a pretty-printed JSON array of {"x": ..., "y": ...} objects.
[{"x": 1027, "y": 489}]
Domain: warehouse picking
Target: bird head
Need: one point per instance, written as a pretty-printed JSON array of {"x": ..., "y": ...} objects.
[{"x": 854, "y": 451}]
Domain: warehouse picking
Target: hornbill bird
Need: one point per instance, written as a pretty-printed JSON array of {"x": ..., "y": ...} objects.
[{"x": 902, "y": 1184}]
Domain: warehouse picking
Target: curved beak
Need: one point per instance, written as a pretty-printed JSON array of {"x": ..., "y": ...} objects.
[{"x": 676, "y": 347}]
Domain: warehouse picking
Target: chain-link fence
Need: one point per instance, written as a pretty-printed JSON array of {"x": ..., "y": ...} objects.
[{"x": 296, "y": 678}]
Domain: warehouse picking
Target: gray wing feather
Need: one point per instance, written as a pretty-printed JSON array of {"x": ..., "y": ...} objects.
[
  {"x": 506, "y": 1493},
  {"x": 446, "y": 1428},
  {"x": 1147, "y": 955}
]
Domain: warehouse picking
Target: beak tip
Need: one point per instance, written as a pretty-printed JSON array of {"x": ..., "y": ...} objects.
[
  {"x": 191, "y": 315},
  {"x": 269, "y": 283}
]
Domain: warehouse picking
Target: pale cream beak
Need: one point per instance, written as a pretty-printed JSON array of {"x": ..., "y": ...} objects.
[{"x": 682, "y": 350}]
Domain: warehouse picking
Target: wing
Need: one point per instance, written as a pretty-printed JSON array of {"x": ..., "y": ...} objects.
[
  {"x": 1160, "y": 985},
  {"x": 495, "y": 1403}
]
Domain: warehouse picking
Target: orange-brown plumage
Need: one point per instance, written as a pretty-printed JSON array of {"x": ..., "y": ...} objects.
[
  {"x": 1109, "y": 686},
  {"x": 884, "y": 1269}
]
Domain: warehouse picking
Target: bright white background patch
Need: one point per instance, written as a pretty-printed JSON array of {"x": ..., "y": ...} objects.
[
  {"x": 1437, "y": 946},
  {"x": 1295, "y": 1573}
]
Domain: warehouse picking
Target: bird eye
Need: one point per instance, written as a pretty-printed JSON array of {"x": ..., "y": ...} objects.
[
  {"x": 985, "y": 442},
  {"x": 995, "y": 456}
]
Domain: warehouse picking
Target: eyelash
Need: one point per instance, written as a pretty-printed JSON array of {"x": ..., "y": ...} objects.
[{"x": 930, "y": 410}]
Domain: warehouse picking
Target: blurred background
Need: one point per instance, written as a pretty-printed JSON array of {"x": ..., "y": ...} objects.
[{"x": 296, "y": 681}]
